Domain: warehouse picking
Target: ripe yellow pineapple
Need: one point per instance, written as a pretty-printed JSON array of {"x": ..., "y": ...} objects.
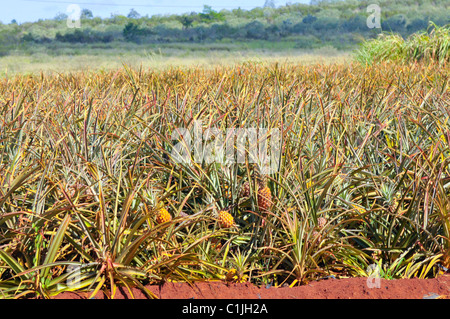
[
  {"x": 163, "y": 216},
  {"x": 225, "y": 219}
]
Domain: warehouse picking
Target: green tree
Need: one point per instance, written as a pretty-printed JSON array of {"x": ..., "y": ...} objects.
[
  {"x": 86, "y": 14},
  {"x": 186, "y": 20},
  {"x": 209, "y": 15},
  {"x": 416, "y": 25},
  {"x": 395, "y": 23},
  {"x": 309, "y": 19},
  {"x": 133, "y": 14},
  {"x": 60, "y": 17},
  {"x": 131, "y": 31},
  {"x": 255, "y": 30}
]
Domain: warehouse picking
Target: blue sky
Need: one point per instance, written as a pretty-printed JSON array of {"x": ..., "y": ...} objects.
[{"x": 32, "y": 10}]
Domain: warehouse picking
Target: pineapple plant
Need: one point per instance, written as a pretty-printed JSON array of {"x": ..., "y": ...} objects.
[
  {"x": 216, "y": 244},
  {"x": 317, "y": 232},
  {"x": 225, "y": 219},
  {"x": 245, "y": 190},
  {"x": 82, "y": 190},
  {"x": 321, "y": 222},
  {"x": 264, "y": 198},
  {"x": 316, "y": 236},
  {"x": 163, "y": 216},
  {"x": 233, "y": 275},
  {"x": 264, "y": 193}
]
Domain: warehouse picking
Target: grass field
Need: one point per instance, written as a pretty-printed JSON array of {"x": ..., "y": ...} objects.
[{"x": 160, "y": 59}]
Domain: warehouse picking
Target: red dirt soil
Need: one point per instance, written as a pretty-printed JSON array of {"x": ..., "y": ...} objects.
[{"x": 349, "y": 288}]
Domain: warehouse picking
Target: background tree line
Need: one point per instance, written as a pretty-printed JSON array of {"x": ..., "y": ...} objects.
[{"x": 341, "y": 23}]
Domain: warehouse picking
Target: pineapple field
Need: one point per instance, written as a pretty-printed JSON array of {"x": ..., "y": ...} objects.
[{"x": 93, "y": 201}]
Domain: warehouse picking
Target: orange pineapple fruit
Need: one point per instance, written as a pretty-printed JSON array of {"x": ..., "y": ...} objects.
[
  {"x": 264, "y": 194},
  {"x": 163, "y": 216},
  {"x": 225, "y": 219},
  {"x": 264, "y": 198}
]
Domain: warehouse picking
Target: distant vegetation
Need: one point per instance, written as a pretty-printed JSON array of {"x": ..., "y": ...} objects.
[
  {"x": 431, "y": 45},
  {"x": 341, "y": 24}
]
